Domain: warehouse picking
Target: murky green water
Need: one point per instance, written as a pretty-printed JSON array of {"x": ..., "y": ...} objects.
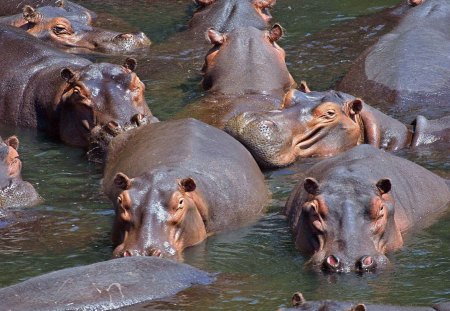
[{"x": 259, "y": 266}]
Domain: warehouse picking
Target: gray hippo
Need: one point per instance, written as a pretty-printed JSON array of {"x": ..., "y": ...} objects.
[
  {"x": 14, "y": 192},
  {"x": 67, "y": 96},
  {"x": 174, "y": 183},
  {"x": 107, "y": 285},
  {"x": 407, "y": 72},
  {"x": 244, "y": 71},
  {"x": 320, "y": 124},
  {"x": 354, "y": 208}
]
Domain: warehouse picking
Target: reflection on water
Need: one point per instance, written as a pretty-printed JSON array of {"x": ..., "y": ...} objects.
[{"x": 259, "y": 266}]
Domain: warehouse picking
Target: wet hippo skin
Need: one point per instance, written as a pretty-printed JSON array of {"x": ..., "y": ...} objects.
[
  {"x": 14, "y": 192},
  {"x": 42, "y": 87},
  {"x": 173, "y": 183},
  {"x": 320, "y": 124},
  {"x": 414, "y": 76},
  {"x": 354, "y": 208},
  {"x": 105, "y": 285}
]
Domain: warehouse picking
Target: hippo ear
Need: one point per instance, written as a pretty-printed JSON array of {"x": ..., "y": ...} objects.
[
  {"x": 13, "y": 141},
  {"x": 384, "y": 185},
  {"x": 187, "y": 184},
  {"x": 68, "y": 75},
  {"x": 311, "y": 186},
  {"x": 275, "y": 33},
  {"x": 304, "y": 87},
  {"x": 30, "y": 14},
  {"x": 122, "y": 181},
  {"x": 298, "y": 299},
  {"x": 355, "y": 106},
  {"x": 215, "y": 37},
  {"x": 359, "y": 307},
  {"x": 59, "y": 3},
  {"x": 130, "y": 63}
]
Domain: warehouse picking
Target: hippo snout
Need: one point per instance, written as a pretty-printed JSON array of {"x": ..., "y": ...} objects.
[
  {"x": 366, "y": 263},
  {"x": 137, "y": 39}
]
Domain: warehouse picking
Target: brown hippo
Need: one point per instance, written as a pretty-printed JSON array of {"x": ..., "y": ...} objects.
[
  {"x": 65, "y": 95},
  {"x": 354, "y": 208},
  {"x": 14, "y": 192},
  {"x": 300, "y": 303},
  {"x": 319, "y": 124},
  {"x": 244, "y": 71},
  {"x": 407, "y": 72},
  {"x": 107, "y": 285},
  {"x": 174, "y": 183},
  {"x": 66, "y": 31}
]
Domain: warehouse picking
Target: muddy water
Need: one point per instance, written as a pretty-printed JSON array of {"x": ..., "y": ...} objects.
[{"x": 259, "y": 266}]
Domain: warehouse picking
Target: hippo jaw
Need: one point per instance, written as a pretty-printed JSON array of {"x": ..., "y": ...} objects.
[{"x": 163, "y": 224}]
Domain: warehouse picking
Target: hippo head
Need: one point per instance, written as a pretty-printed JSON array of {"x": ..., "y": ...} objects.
[
  {"x": 224, "y": 16},
  {"x": 10, "y": 164},
  {"x": 345, "y": 224},
  {"x": 309, "y": 124},
  {"x": 157, "y": 215},
  {"x": 68, "y": 31},
  {"x": 246, "y": 61},
  {"x": 96, "y": 95}
]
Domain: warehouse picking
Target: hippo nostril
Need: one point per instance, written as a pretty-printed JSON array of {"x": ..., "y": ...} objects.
[
  {"x": 126, "y": 36},
  {"x": 126, "y": 254},
  {"x": 154, "y": 252},
  {"x": 332, "y": 261},
  {"x": 365, "y": 263}
]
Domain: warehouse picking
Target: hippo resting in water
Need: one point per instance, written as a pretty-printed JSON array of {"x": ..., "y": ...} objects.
[
  {"x": 107, "y": 285},
  {"x": 300, "y": 303},
  {"x": 14, "y": 192},
  {"x": 407, "y": 72},
  {"x": 65, "y": 95},
  {"x": 354, "y": 208},
  {"x": 319, "y": 124},
  {"x": 68, "y": 31},
  {"x": 244, "y": 71},
  {"x": 174, "y": 183}
]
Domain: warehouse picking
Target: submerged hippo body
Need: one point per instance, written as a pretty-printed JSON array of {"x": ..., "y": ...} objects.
[
  {"x": 244, "y": 71},
  {"x": 68, "y": 31},
  {"x": 173, "y": 183},
  {"x": 414, "y": 75},
  {"x": 41, "y": 87},
  {"x": 105, "y": 285},
  {"x": 319, "y": 124},
  {"x": 353, "y": 208},
  {"x": 14, "y": 192}
]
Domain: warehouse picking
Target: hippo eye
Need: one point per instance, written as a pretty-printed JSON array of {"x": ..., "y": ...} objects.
[
  {"x": 380, "y": 212},
  {"x": 60, "y": 30},
  {"x": 180, "y": 204},
  {"x": 119, "y": 200},
  {"x": 330, "y": 113}
]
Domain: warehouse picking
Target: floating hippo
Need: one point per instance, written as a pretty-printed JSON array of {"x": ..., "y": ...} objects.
[
  {"x": 300, "y": 303},
  {"x": 244, "y": 71},
  {"x": 320, "y": 124},
  {"x": 174, "y": 183},
  {"x": 14, "y": 192},
  {"x": 44, "y": 88},
  {"x": 12, "y": 7},
  {"x": 414, "y": 77},
  {"x": 107, "y": 285},
  {"x": 66, "y": 31},
  {"x": 226, "y": 15},
  {"x": 354, "y": 208}
]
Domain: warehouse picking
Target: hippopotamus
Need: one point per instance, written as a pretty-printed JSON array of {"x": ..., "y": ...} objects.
[
  {"x": 415, "y": 72},
  {"x": 320, "y": 124},
  {"x": 173, "y": 183},
  {"x": 226, "y": 15},
  {"x": 244, "y": 71},
  {"x": 65, "y": 95},
  {"x": 14, "y": 192},
  {"x": 300, "y": 303},
  {"x": 78, "y": 12},
  {"x": 107, "y": 285},
  {"x": 354, "y": 208},
  {"x": 65, "y": 30}
]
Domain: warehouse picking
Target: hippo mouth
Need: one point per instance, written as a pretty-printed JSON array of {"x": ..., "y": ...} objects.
[{"x": 311, "y": 138}]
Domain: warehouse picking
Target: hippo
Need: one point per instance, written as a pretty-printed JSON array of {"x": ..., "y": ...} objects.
[
  {"x": 173, "y": 183},
  {"x": 320, "y": 124},
  {"x": 65, "y": 95},
  {"x": 244, "y": 71},
  {"x": 354, "y": 208},
  {"x": 14, "y": 192},
  {"x": 300, "y": 303},
  {"x": 415, "y": 74},
  {"x": 66, "y": 31},
  {"x": 107, "y": 285}
]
